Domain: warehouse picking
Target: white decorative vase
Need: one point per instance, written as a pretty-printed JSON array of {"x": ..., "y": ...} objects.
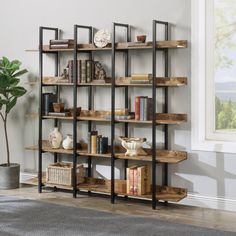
[
  {"x": 133, "y": 146},
  {"x": 55, "y": 138},
  {"x": 68, "y": 142}
]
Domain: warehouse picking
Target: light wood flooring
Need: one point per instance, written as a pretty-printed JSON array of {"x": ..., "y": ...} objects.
[{"x": 172, "y": 212}]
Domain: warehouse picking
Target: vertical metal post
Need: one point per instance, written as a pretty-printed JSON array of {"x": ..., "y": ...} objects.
[
  {"x": 40, "y": 110},
  {"x": 154, "y": 202},
  {"x": 128, "y": 39},
  {"x": 166, "y": 143},
  {"x": 75, "y": 77},
  {"x": 90, "y": 91},
  {"x": 57, "y": 87},
  {"x": 113, "y": 116}
]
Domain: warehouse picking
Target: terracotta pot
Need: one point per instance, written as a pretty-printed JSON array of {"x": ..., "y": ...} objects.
[
  {"x": 141, "y": 38},
  {"x": 58, "y": 107}
]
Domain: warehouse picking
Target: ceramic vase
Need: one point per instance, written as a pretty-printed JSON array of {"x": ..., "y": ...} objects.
[
  {"x": 68, "y": 142},
  {"x": 55, "y": 138}
]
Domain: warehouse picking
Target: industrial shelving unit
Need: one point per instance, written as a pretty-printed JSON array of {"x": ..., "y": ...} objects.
[{"x": 155, "y": 156}]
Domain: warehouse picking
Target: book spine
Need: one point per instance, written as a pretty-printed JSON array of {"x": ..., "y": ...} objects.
[
  {"x": 135, "y": 182},
  {"x": 145, "y": 108},
  {"x": 89, "y": 142},
  {"x": 104, "y": 145},
  {"x": 70, "y": 71},
  {"x": 131, "y": 181},
  {"x": 141, "y": 108},
  {"x": 83, "y": 71},
  {"x": 99, "y": 138},
  {"x": 59, "y": 46},
  {"x": 128, "y": 180},
  {"x": 61, "y": 41},
  {"x": 137, "y": 108},
  {"x": 89, "y": 71},
  {"x": 93, "y": 144},
  {"x": 149, "y": 108},
  {"x": 148, "y": 179}
]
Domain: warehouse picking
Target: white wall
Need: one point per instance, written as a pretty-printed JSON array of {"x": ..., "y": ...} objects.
[{"x": 206, "y": 174}]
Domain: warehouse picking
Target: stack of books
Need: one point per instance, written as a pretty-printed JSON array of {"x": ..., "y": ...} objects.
[
  {"x": 141, "y": 79},
  {"x": 85, "y": 71},
  {"x": 97, "y": 144},
  {"x": 138, "y": 180},
  {"x": 143, "y": 108},
  {"x": 61, "y": 43}
]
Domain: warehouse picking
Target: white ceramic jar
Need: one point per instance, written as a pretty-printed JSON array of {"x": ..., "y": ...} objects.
[
  {"x": 55, "y": 138},
  {"x": 68, "y": 142}
]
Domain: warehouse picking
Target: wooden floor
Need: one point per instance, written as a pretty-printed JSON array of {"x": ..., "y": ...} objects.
[{"x": 172, "y": 212}]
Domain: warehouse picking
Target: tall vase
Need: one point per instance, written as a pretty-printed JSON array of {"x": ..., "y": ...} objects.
[{"x": 55, "y": 138}]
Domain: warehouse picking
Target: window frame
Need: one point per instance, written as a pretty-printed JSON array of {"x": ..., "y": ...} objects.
[{"x": 203, "y": 134}]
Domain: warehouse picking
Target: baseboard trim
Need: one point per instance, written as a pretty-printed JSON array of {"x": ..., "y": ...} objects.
[
  {"x": 219, "y": 203},
  {"x": 192, "y": 199}
]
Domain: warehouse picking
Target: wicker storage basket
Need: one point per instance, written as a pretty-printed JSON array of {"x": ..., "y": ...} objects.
[{"x": 61, "y": 173}]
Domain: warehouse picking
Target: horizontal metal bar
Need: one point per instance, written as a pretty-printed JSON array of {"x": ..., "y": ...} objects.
[
  {"x": 48, "y": 28},
  {"x": 161, "y": 22},
  {"x": 121, "y": 25},
  {"x": 83, "y": 26}
]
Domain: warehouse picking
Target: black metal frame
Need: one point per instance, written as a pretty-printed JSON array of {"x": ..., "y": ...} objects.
[
  {"x": 113, "y": 87},
  {"x": 40, "y": 152},
  {"x": 154, "y": 74}
]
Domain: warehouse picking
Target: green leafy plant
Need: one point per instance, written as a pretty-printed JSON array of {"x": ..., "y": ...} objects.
[{"x": 10, "y": 72}]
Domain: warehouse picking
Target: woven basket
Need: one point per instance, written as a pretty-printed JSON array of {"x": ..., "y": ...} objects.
[{"x": 61, "y": 174}]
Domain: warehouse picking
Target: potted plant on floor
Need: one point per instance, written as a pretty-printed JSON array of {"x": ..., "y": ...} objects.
[{"x": 9, "y": 93}]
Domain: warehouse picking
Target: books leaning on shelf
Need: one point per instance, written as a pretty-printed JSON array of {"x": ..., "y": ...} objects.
[
  {"x": 143, "y": 108},
  {"x": 97, "y": 144},
  {"x": 138, "y": 180},
  {"x": 61, "y": 43},
  {"x": 141, "y": 79}
]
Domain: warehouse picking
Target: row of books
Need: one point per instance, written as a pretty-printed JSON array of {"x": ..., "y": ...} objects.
[
  {"x": 61, "y": 43},
  {"x": 85, "y": 71},
  {"x": 138, "y": 180},
  {"x": 97, "y": 144},
  {"x": 143, "y": 108}
]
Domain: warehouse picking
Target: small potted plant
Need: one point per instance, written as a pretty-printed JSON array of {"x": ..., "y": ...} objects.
[{"x": 9, "y": 93}]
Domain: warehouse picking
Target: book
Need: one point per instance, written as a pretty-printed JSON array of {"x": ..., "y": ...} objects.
[
  {"x": 99, "y": 138},
  {"x": 130, "y": 179},
  {"x": 121, "y": 117},
  {"x": 144, "y": 184},
  {"x": 61, "y": 114},
  {"x": 60, "y": 46},
  {"x": 89, "y": 71},
  {"x": 103, "y": 145},
  {"x": 48, "y": 99},
  {"x": 150, "y": 108},
  {"x": 139, "y": 81},
  {"x": 141, "y": 108},
  {"x": 145, "y": 108},
  {"x": 61, "y": 41},
  {"x": 137, "y": 108},
  {"x": 71, "y": 72},
  {"x": 93, "y": 144},
  {"x": 83, "y": 71},
  {"x": 89, "y": 142},
  {"x": 135, "y": 181}
]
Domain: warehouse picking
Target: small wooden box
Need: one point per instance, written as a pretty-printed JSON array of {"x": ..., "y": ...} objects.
[
  {"x": 61, "y": 173},
  {"x": 120, "y": 185}
]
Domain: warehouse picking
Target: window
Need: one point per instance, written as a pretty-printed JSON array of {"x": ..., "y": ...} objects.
[{"x": 214, "y": 75}]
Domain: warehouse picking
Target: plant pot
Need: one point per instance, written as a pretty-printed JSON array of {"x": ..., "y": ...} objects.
[{"x": 9, "y": 176}]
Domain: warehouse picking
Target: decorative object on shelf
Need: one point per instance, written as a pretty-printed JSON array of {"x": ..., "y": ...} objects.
[
  {"x": 58, "y": 107},
  {"x": 102, "y": 38},
  {"x": 133, "y": 146},
  {"x": 55, "y": 138},
  {"x": 141, "y": 38},
  {"x": 48, "y": 100},
  {"x": 99, "y": 73},
  {"x": 65, "y": 73},
  {"x": 68, "y": 142},
  {"x": 71, "y": 111},
  {"x": 10, "y": 72},
  {"x": 141, "y": 79},
  {"x": 61, "y": 174}
]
